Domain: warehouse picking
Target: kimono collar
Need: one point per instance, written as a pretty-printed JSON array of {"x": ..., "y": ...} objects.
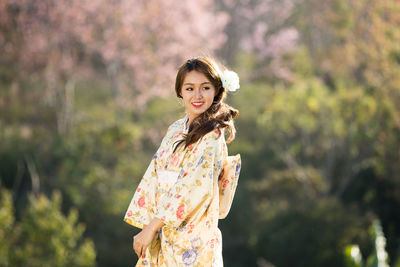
[{"x": 185, "y": 120}]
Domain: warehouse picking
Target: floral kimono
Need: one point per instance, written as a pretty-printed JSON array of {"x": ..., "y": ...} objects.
[{"x": 189, "y": 190}]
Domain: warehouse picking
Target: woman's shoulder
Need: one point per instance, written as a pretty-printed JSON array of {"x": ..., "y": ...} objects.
[
  {"x": 176, "y": 124},
  {"x": 216, "y": 134}
]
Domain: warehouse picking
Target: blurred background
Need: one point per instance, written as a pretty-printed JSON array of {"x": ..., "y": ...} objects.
[{"x": 86, "y": 94}]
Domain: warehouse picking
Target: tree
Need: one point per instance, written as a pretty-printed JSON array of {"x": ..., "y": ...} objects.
[
  {"x": 6, "y": 227},
  {"x": 262, "y": 31},
  {"x": 44, "y": 236},
  {"x": 58, "y": 43},
  {"x": 355, "y": 47}
]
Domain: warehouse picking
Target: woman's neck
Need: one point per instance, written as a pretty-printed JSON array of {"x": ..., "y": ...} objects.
[{"x": 189, "y": 121}]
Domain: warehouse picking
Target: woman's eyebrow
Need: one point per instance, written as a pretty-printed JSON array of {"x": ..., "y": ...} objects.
[{"x": 193, "y": 83}]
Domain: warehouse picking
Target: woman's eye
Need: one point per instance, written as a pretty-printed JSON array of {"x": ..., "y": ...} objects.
[
  {"x": 189, "y": 89},
  {"x": 206, "y": 88}
]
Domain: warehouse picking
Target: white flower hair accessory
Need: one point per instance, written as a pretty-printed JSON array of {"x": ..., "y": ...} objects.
[{"x": 230, "y": 80}]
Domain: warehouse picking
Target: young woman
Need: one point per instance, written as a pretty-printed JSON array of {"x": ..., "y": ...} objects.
[{"x": 190, "y": 182}]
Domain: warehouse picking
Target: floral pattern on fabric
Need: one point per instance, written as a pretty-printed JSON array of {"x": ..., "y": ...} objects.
[
  {"x": 228, "y": 183},
  {"x": 182, "y": 189}
]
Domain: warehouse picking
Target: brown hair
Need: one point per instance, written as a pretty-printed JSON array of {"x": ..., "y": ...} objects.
[{"x": 219, "y": 115}]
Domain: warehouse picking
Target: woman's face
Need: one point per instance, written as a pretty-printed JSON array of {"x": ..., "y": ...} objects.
[{"x": 197, "y": 93}]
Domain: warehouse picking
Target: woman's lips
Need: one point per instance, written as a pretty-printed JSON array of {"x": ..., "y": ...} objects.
[{"x": 197, "y": 105}]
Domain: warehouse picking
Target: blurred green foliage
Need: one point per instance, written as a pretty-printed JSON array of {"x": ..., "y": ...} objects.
[
  {"x": 379, "y": 257},
  {"x": 44, "y": 236}
]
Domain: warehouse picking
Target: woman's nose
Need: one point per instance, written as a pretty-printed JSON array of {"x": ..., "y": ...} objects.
[{"x": 198, "y": 93}]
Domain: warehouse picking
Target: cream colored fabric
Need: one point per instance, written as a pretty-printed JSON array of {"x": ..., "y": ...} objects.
[
  {"x": 228, "y": 183},
  {"x": 183, "y": 190}
]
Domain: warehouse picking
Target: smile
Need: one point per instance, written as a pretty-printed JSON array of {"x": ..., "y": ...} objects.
[{"x": 197, "y": 104}]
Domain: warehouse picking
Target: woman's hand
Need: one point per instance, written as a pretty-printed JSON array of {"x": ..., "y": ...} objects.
[{"x": 143, "y": 239}]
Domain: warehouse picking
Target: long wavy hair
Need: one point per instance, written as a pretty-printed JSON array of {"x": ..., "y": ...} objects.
[{"x": 219, "y": 115}]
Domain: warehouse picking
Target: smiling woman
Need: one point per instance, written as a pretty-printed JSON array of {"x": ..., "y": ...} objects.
[
  {"x": 204, "y": 115},
  {"x": 191, "y": 180},
  {"x": 197, "y": 93}
]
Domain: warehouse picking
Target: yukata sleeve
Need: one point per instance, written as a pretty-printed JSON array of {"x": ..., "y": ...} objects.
[
  {"x": 140, "y": 210},
  {"x": 193, "y": 190},
  {"x": 228, "y": 183},
  {"x": 142, "y": 206}
]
